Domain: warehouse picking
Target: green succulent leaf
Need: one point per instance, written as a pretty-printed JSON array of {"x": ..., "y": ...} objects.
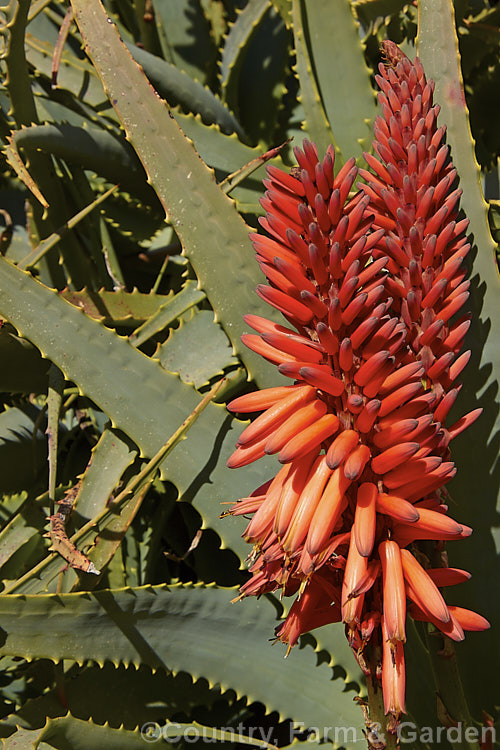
[
  {"x": 110, "y": 457},
  {"x": 144, "y": 696},
  {"x": 371, "y": 10},
  {"x": 116, "y": 308},
  {"x": 238, "y": 37},
  {"x": 79, "y": 735},
  {"x": 22, "y": 527},
  {"x": 49, "y": 242},
  {"x": 181, "y": 352},
  {"x": 22, "y": 445},
  {"x": 182, "y": 182},
  {"x": 342, "y": 77},
  {"x": 476, "y": 452},
  {"x": 75, "y": 73},
  {"x": 262, "y": 79},
  {"x": 316, "y": 124},
  {"x": 182, "y": 628},
  {"x": 117, "y": 371},
  {"x": 23, "y": 369},
  {"x": 179, "y": 88},
  {"x": 173, "y": 307},
  {"x": 184, "y": 33},
  {"x": 104, "y": 153}
]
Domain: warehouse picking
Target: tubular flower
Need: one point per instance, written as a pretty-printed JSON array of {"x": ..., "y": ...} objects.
[{"x": 369, "y": 285}]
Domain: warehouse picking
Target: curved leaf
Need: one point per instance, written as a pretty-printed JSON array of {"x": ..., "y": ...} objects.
[
  {"x": 213, "y": 235},
  {"x": 185, "y": 34},
  {"x": 22, "y": 527},
  {"x": 102, "y": 152},
  {"x": 90, "y": 693},
  {"x": 179, "y": 88},
  {"x": 237, "y": 38},
  {"x": 477, "y": 485},
  {"x": 23, "y": 448},
  {"x": 316, "y": 124},
  {"x": 116, "y": 308},
  {"x": 173, "y": 307},
  {"x": 69, "y": 732},
  {"x": 108, "y": 369},
  {"x": 184, "y": 628},
  {"x": 23, "y": 369},
  {"x": 181, "y": 352},
  {"x": 262, "y": 79},
  {"x": 343, "y": 78}
]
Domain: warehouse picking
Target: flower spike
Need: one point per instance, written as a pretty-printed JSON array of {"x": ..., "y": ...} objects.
[{"x": 370, "y": 284}]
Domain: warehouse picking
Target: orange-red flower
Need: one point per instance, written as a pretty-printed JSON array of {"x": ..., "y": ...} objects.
[{"x": 370, "y": 286}]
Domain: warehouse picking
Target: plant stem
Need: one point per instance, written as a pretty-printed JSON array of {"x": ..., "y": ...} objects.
[
  {"x": 379, "y": 727},
  {"x": 452, "y": 705}
]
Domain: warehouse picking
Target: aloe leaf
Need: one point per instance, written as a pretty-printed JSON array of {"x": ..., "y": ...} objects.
[
  {"x": 182, "y": 628},
  {"x": 420, "y": 701},
  {"x": 75, "y": 72},
  {"x": 148, "y": 472},
  {"x": 23, "y": 369},
  {"x": 22, "y": 527},
  {"x": 112, "y": 157},
  {"x": 19, "y": 447},
  {"x": 226, "y": 153},
  {"x": 183, "y": 183},
  {"x": 85, "y": 735},
  {"x": 234, "y": 179},
  {"x": 148, "y": 27},
  {"x": 178, "y": 87},
  {"x": 175, "y": 732},
  {"x": 316, "y": 124},
  {"x": 144, "y": 696},
  {"x": 11, "y": 504},
  {"x": 185, "y": 33},
  {"x": 181, "y": 352},
  {"x": 332, "y": 638},
  {"x": 36, "y": 7},
  {"x": 107, "y": 543},
  {"x": 284, "y": 8},
  {"x": 38, "y": 252},
  {"x": 14, "y": 160},
  {"x": 235, "y": 43},
  {"x": 116, "y": 365},
  {"x": 476, "y": 453},
  {"x": 197, "y": 464},
  {"x": 39, "y": 165},
  {"x": 76, "y": 734},
  {"x": 211, "y": 484},
  {"x": 17, "y": 81},
  {"x": 370, "y": 10},
  {"x": 170, "y": 310},
  {"x": 90, "y": 694},
  {"x": 262, "y": 78},
  {"x": 74, "y": 75},
  {"x": 110, "y": 458},
  {"x": 116, "y": 515},
  {"x": 98, "y": 150},
  {"x": 53, "y": 403},
  {"x": 343, "y": 78},
  {"x": 115, "y": 308}
]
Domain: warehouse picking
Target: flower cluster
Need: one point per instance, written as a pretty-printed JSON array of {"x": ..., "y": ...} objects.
[{"x": 370, "y": 287}]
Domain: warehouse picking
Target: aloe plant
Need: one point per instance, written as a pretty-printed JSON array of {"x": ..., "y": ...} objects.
[{"x": 135, "y": 138}]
